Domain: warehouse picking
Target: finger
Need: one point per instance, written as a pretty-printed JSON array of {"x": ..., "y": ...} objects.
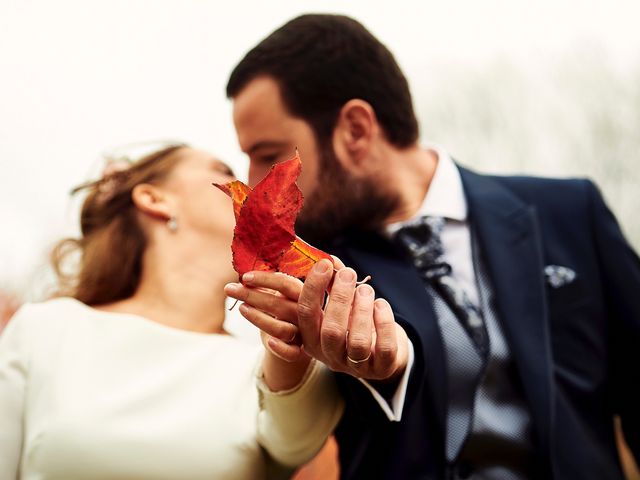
[
  {"x": 270, "y": 302},
  {"x": 386, "y": 347},
  {"x": 360, "y": 326},
  {"x": 310, "y": 305},
  {"x": 285, "y": 351},
  {"x": 337, "y": 263},
  {"x": 336, "y": 315},
  {"x": 273, "y": 327},
  {"x": 287, "y": 285}
]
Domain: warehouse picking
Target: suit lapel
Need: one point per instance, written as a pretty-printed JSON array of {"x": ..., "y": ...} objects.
[
  {"x": 395, "y": 279},
  {"x": 510, "y": 244}
]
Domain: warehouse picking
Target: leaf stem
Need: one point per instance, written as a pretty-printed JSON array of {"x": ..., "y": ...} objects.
[
  {"x": 234, "y": 305},
  {"x": 361, "y": 282}
]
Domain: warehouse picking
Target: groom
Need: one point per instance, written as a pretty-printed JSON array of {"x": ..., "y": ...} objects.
[{"x": 511, "y": 334}]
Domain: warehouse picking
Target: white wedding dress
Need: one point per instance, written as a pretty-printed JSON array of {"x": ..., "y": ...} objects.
[{"x": 86, "y": 394}]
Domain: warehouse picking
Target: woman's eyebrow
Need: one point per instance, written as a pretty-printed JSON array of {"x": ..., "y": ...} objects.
[{"x": 221, "y": 166}]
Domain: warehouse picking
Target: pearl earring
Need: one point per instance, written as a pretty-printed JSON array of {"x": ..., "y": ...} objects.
[{"x": 172, "y": 223}]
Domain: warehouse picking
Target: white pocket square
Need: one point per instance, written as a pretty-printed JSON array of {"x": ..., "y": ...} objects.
[{"x": 558, "y": 276}]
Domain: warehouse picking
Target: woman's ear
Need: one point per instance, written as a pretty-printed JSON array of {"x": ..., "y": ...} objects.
[
  {"x": 151, "y": 201},
  {"x": 355, "y": 133}
]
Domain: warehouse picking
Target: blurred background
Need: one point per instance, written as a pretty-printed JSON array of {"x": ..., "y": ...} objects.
[{"x": 547, "y": 88}]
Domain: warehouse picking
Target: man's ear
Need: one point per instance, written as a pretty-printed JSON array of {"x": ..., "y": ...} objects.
[
  {"x": 151, "y": 201},
  {"x": 355, "y": 132}
]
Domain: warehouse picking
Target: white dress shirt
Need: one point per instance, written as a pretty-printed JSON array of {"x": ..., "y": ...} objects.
[{"x": 445, "y": 198}]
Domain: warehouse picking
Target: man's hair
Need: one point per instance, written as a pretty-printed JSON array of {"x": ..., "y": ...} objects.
[{"x": 320, "y": 62}]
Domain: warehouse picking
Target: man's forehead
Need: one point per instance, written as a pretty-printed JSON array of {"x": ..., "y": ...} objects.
[
  {"x": 259, "y": 99},
  {"x": 259, "y": 114}
]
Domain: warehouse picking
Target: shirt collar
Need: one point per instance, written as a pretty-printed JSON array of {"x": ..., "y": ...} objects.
[{"x": 445, "y": 196}]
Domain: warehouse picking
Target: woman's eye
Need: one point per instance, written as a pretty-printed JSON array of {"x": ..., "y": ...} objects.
[{"x": 223, "y": 169}]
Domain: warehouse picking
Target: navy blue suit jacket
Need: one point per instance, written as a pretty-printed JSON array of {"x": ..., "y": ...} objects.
[{"x": 576, "y": 348}]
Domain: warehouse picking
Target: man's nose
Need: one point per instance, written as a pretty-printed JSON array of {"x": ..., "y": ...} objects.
[{"x": 256, "y": 173}]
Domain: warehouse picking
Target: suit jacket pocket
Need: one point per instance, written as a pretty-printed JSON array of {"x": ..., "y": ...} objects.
[
  {"x": 578, "y": 335},
  {"x": 566, "y": 297}
]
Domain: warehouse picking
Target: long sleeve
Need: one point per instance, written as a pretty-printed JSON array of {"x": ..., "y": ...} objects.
[
  {"x": 394, "y": 406},
  {"x": 13, "y": 374},
  {"x": 620, "y": 267},
  {"x": 294, "y": 424}
]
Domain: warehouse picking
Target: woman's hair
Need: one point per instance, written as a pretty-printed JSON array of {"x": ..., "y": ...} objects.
[{"x": 112, "y": 241}]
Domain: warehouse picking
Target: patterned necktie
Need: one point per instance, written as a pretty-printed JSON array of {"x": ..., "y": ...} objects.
[{"x": 421, "y": 239}]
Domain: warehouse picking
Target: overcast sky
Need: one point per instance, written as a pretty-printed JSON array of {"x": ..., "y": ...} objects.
[{"x": 79, "y": 77}]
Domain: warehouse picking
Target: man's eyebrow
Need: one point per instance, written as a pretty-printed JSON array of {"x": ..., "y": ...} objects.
[{"x": 265, "y": 144}]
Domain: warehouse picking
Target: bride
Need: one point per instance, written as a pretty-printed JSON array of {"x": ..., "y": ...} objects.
[{"x": 128, "y": 373}]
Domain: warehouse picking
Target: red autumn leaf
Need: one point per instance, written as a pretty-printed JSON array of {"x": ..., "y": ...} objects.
[
  {"x": 264, "y": 237},
  {"x": 300, "y": 257},
  {"x": 238, "y": 192}
]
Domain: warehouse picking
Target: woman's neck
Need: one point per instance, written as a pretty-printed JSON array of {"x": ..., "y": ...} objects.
[{"x": 183, "y": 288}]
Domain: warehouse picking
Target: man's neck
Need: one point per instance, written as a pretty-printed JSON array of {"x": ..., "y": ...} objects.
[{"x": 414, "y": 169}]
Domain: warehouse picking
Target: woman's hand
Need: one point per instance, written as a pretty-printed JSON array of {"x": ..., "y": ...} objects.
[
  {"x": 350, "y": 331},
  {"x": 275, "y": 314}
]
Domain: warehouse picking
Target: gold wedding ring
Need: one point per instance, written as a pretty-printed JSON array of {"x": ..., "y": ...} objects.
[{"x": 356, "y": 362}]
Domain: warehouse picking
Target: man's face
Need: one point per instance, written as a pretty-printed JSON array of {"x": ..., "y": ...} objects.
[
  {"x": 335, "y": 199},
  {"x": 268, "y": 134}
]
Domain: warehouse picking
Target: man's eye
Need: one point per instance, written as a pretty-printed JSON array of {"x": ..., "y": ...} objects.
[{"x": 271, "y": 158}]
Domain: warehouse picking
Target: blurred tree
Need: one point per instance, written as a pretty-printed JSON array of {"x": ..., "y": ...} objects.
[{"x": 574, "y": 115}]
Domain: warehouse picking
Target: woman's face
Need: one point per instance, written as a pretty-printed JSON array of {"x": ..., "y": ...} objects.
[{"x": 199, "y": 206}]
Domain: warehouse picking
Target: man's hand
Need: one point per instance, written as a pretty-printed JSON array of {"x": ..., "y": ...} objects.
[{"x": 352, "y": 332}]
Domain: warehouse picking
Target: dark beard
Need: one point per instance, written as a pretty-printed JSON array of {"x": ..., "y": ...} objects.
[{"x": 342, "y": 202}]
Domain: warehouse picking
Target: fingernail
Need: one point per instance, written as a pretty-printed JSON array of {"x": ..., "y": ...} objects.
[
  {"x": 322, "y": 266},
  {"x": 232, "y": 288},
  {"x": 248, "y": 277},
  {"x": 243, "y": 308},
  {"x": 365, "y": 291},
  {"x": 347, "y": 275},
  {"x": 381, "y": 304}
]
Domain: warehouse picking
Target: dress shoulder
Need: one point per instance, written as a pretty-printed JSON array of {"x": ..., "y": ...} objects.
[{"x": 44, "y": 317}]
